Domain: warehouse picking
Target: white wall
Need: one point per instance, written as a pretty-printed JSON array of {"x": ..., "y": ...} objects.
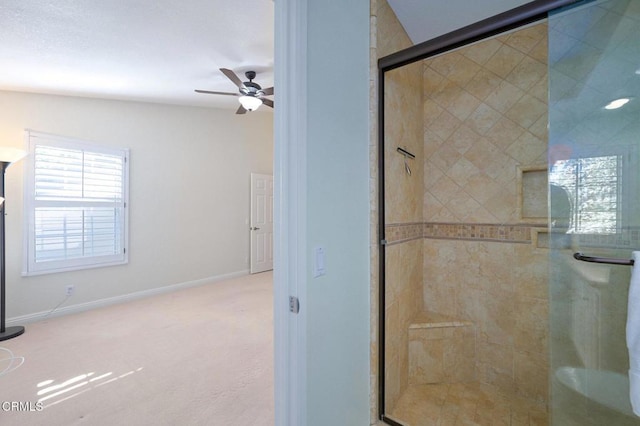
[
  {"x": 338, "y": 209},
  {"x": 189, "y": 192},
  {"x": 425, "y": 20}
]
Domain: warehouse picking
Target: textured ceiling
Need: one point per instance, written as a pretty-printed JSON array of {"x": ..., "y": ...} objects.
[
  {"x": 154, "y": 51},
  {"x": 161, "y": 50}
]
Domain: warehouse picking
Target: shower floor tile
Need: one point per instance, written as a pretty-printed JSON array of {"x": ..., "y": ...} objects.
[{"x": 463, "y": 404}]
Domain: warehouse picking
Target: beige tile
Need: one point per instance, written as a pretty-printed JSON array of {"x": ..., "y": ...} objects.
[
  {"x": 483, "y": 83},
  {"x": 538, "y": 417},
  {"x": 532, "y": 338},
  {"x": 463, "y": 138},
  {"x": 540, "y": 51},
  {"x": 531, "y": 372},
  {"x": 504, "y": 60},
  {"x": 527, "y": 73},
  {"x": 432, "y": 208},
  {"x": 462, "y": 171},
  {"x": 504, "y": 211},
  {"x": 526, "y": 149},
  {"x": 481, "y": 215},
  {"x": 445, "y": 93},
  {"x": 462, "y": 205},
  {"x": 499, "y": 321},
  {"x": 504, "y": 97},
  {"x": 463, "y": 105},
  {"x": 392, "y": 382},
  {"x": 440, "y": 299},
  {"x": 540, "y": 128},
  {"x": 526, "y": 39},
  {"x": 469, "y": 304},
  {"x": 483, "y": 51},
  {"x": 466, "y": 404},
  {"x": 540, "y": 90},
  {"x": 504, "y": 133},
  {"x": 431, "y": 112},
  {"x": 393, "y": 328},
  {"x": 459, "y": 356},
  {"x": 431, "y": 143},
  {"x": 500, "y": 356},
  {"x": 446, "y": 156},
  {"x": 532, "y": 328},
  {"x": 533, "y": 281},
  {"x": 482, "y": 119},
  {"x": 481, "y": 153},
  {"x": 432, "y": 80},
  {"x": 444, "y": 215},
  {"x": 431, "y": 333},
  {"x": 431, "y": 173},
  {"x": 527, "y": 111},
  {"x": 445, "y": 125},
  {"x": 426, "y": 362},
  {"x": 444, "y": 64},
  {"x": 463, "y": 71}
]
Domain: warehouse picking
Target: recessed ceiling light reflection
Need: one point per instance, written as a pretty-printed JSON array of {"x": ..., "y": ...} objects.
[{"x": 617, "y": 103}]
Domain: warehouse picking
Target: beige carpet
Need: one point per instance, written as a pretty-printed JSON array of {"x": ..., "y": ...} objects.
[{"x": 201, "y": 356}]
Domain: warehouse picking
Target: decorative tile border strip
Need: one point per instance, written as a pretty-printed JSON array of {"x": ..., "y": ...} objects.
[
  {"x": 403, "y": 232},
  {"x": 480, "y": 232},
  {"x": 396, "y": 233}
]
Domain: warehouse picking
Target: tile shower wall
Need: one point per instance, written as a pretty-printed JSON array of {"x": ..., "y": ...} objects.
[
  {"x": 485, "y": 113},
  {"x": 403, "y": 200},
  {"x": 477, "y": 281},
  {"x": 485, "y": 118}
]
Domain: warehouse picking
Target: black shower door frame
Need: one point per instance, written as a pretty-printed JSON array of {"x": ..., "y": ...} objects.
[{"x": 534, "y": 11}]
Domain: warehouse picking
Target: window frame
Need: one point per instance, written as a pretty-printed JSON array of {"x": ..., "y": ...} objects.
[
  {"x": 626, "y": 185},
  {"x": 30, "y": 266}
]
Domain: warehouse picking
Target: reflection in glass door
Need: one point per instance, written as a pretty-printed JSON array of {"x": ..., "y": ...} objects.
[{"x": 594, "y": 133}]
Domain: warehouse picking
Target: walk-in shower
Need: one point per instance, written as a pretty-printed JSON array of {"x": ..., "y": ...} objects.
[{"x": 518, "y": 162}]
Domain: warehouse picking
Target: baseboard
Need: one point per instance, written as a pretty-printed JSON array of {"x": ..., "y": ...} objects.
[{"x": 81, "y": 307}]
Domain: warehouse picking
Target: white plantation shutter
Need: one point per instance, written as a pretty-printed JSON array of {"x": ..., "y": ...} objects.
[{"x": 77, "y": 197}]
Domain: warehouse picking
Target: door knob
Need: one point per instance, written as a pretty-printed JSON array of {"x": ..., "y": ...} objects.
[{"x": 254, "y": 228}]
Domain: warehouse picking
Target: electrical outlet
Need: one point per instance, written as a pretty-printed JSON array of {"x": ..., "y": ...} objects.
[{"x": 69, "y": 290}]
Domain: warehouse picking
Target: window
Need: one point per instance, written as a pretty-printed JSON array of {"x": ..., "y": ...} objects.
[
  {"x": 594, "y": 187},
  {"x": 76, "y": 205}
]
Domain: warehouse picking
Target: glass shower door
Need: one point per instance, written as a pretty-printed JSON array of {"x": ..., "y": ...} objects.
[{"x": 594, "y": 181}]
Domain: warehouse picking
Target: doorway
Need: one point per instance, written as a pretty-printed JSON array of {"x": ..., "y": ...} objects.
[{"x": 261, "y": 225}]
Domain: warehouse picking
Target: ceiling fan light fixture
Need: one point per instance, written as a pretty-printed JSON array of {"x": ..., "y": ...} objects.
[{"x": 250, "y": 103}]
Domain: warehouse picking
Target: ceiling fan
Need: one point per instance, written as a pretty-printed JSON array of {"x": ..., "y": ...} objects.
[{"x": 251, "y": 95}]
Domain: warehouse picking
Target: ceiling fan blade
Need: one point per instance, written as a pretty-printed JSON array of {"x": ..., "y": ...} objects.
[
  {"x": 241, "y": 110},
  {"x": 216, "y": 93},
  {"x": 267, "y": 102},
  {"x": 268, "y": 91},
  {"x": 233, "y": 77}
]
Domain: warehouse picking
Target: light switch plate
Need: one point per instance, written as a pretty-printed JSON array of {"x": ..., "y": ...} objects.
[{"x": 319, "y": 262}]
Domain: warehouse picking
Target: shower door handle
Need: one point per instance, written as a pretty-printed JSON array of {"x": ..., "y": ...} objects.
[{"x": 607, "y": 260}]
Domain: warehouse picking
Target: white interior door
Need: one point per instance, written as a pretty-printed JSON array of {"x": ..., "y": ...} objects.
[{"x": 261, "y": 223}]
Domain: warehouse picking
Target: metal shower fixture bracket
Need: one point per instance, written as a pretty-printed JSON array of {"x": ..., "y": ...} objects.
[{"x": 406, "y": 155}]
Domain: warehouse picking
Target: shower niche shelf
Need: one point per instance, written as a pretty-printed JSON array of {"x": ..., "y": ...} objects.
[{"x": 532, "y": 190}]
